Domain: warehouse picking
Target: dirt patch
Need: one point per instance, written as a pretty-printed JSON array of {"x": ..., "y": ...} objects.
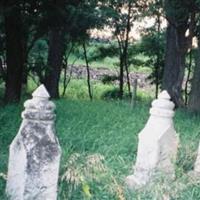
[{"x": 79, "y": 72}]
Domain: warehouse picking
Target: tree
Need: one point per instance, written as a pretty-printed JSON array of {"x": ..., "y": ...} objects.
[
  {"x": 20, "y": 20},
  {"x": 14, "y": 50},
  {"x": 181, "y": 17},
  {"x": 152, "y": 46},
  {"x": 56, "y": 18},
  {"x": 71, "y": 20},
  {"x": 88, "y": 70},
  {"x": 2, "y": 51},
  {"x": 194, "y": 96},
  {"x": 153, "y": 43},
  {"x": 122, "y": 16}
]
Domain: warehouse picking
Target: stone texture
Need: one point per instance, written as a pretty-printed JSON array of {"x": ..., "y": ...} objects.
[
  {"x": 158, "y": 144},
  {"x": 197, "y": 163},
  {"x": 35, "y": 152}
]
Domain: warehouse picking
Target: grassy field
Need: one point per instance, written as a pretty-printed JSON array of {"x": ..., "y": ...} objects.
[
  {"x": 99, "y": 141},
  {"x": 106, "y": 132},
  {"x": 109, "y": 60}
]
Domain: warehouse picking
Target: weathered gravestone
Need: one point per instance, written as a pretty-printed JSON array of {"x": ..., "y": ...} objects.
[
  {"x": 197, "y": 164},
  {"x": 195, "y": 173},
  {"x": 35, "y": 152},
  {"x": 158, "y": 144}
]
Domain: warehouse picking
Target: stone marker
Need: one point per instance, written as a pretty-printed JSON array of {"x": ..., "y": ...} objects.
[
  {"x": 158, "y": 144},
  {"x": 197, "y": 164},
  {"x": 195, "y": 173},
  {"x": 35, "y": 152}
]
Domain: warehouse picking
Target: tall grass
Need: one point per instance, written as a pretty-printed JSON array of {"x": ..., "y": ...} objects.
[{"x": 108, "y": 129}]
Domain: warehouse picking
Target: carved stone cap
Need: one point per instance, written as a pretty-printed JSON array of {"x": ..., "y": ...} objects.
[
  {"x": 39, "y": 107},
  {"x": 162, "y": 106},
  {"x": 41, "y": 92}
]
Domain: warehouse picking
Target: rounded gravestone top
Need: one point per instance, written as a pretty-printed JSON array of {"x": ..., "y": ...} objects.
[
  {"x": 164, "y": 95},
  {"x": 162, "y": 106}
]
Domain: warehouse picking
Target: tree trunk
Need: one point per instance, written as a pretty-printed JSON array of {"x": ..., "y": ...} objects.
[
  {"x": 194, "y": 98},
  {"x": 25, "y": 59},
  {"x": 121, "y": 78},
  {"x": 188, "y": 77},
  {"x": 158, "y": 57},
  {"x": 2, "y": 70},
  {"x": 88, "y": 71},
  {"x": 14, "y": 55},
  {"x": 175, "y": 63},
  {"x": 128, "y": 80},
  {"x": 55, "y": 56},
  {"x": 126, "y": 45}
]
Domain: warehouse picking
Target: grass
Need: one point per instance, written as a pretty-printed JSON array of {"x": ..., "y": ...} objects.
[
  {"x": 78, "y": 89},
  {"x": 107, "y": 132},
  {"x": 108, "y": 62},
  {"x": 111, "y": 61},
  {"x": 110, "y": 129}
]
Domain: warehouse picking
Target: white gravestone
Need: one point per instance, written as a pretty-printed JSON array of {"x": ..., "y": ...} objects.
[
  {"x": 195, "y": 173},
  {"x": 158, "y": 144},
  {"x": 197, "y": 163},
  {"x": 35, "y": 152}
]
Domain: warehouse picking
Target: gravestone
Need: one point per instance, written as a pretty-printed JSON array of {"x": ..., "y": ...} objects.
[
  {"x": 197, "y": 163},
  {"x": 35, "y": 152},
  {"x": 195, "y": 173},
  {"x": 158, "y": 144}
]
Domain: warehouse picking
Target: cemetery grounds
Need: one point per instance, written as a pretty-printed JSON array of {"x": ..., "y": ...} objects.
[{"x": 105, "y": 133}]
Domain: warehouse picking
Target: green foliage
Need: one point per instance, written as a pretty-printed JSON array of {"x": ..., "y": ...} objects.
[
  {"x": 86, "y": 119},
  {"x": 97, "y": 51},
  {"x": 114, "y": 95},
  {"x": 82, "y": 171},
  {"x": 111, "y": 94},
  {"x": 37, "y": 61},
  {"x": 119, "y": 17},
  {"x": 7, "y": 133},
  {"x": 102, "y": 50},
  {"x": 77, "y": 89},
  {"x": 152, "y": 41},
  {"x": 178, "y": 10},
  {"x": 100, "y": 54},
  {"x": 109, "y": 79},
  {"x": 153, "y": 45}
]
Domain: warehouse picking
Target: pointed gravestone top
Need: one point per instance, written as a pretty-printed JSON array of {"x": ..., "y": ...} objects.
[
  {"x": 39, "y": 107},
  {"x": 164, "y": 95},
  {"x": 41, "y": 92}
]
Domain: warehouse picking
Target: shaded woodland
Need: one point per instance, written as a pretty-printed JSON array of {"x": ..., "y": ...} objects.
[{"x": 61, "y": 27}]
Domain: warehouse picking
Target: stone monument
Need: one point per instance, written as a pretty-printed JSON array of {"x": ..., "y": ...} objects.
[
  {"x": 197, "y": 164},
  {"x": 158, "y": 144},
  {"x": 35, "y": 152}
]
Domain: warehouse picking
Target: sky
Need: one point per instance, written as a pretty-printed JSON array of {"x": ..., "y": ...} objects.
[{"x": 135, "y": 33}]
